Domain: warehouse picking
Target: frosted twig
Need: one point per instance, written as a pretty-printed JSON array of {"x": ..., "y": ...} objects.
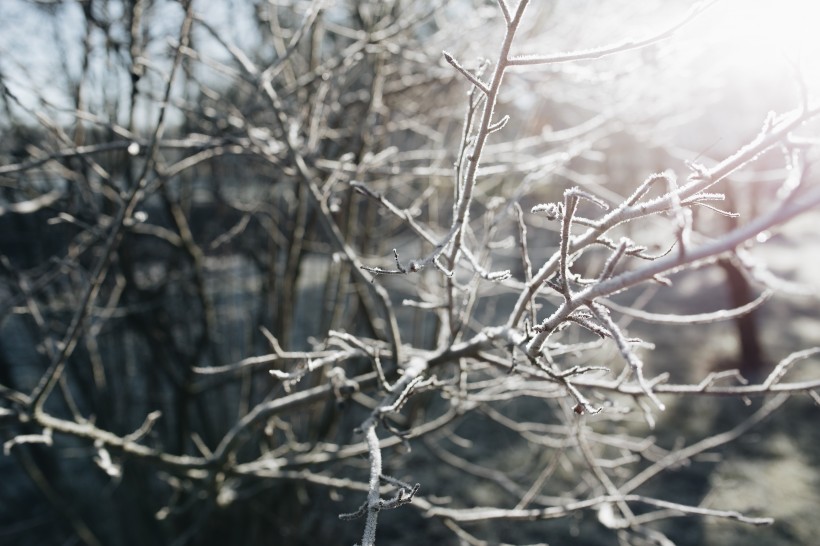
[
  {"x": 699, "y": 318},
  {"x": 629, "y": 355},
  {"x": 466, "y": 73}
]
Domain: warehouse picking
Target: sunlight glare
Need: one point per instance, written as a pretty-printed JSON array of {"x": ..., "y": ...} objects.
[{"x": 755, "y": 34}]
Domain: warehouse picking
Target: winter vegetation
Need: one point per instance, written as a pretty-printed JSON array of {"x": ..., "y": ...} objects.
[{"x": 395, "y": 272}]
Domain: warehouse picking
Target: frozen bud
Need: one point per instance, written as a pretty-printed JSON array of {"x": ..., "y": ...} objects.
[
  {"x": 334, "y": 204},
  {"x": 133, "y": 149},
  {"x": 137, "y": 218},
  {"x": 499, "y": 275},
  {"x": 552, "y": 211}
]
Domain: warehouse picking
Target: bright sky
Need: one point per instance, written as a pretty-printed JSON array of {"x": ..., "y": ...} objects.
[
  {"x": 755, "y": 33},
  {"x": 32, "y": 64},
  {"x": 753, "y": 45}
]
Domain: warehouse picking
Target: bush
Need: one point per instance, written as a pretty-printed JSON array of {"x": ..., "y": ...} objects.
[{"x": 278, "y": 278}]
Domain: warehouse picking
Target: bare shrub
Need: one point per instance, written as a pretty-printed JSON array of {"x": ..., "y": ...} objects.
[{"x": 285, "y": 280}]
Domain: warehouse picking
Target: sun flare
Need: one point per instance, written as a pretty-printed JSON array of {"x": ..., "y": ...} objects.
[{"x": 754, "y": 35}]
